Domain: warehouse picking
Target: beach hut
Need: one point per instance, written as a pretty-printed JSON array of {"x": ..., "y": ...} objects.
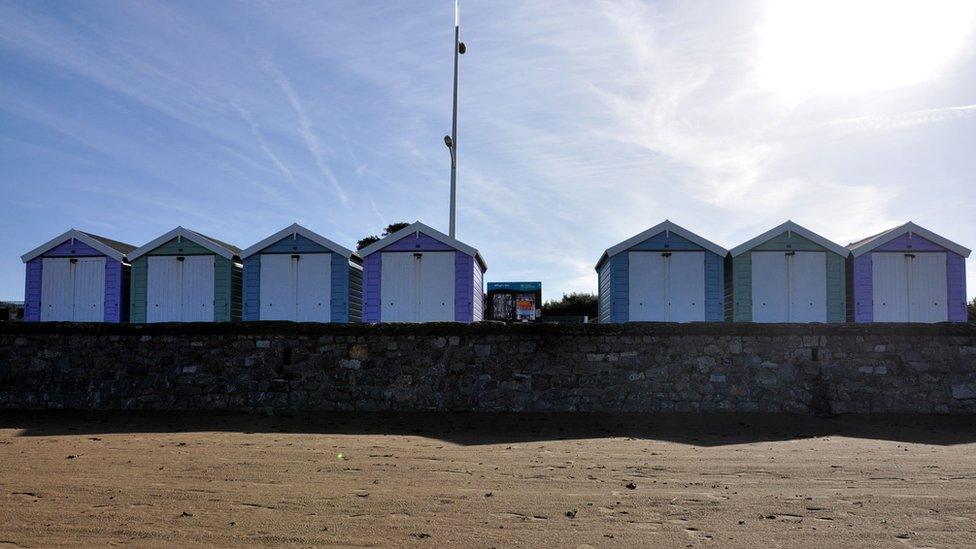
[
  {"x": 184, "y": 276},
  {"x": 296, "y": 274},
  {"x": 666, "y": 273},
  {"x": 77, "y": 276},
  {"x": 907, "y": 274},
  {"x": 418, "y": 274},
  {"x": 787, "y": 274}
]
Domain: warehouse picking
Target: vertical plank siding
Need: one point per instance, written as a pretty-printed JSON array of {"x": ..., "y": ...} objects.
[
  {"x": 252, "y": 287},
  {"x": 742, "y": 276},
  {"x": 742, "y": 288},
  {"x": 115, "y": 290},
  {"x": 862, "y": 288},
  {"x": 32, "y": 290},
  {"x": 372, "y": 266},
  {"x": 604, "y": 285},
  {"x": 355, "y": 293},
  {"x": 620, "y": 273},
  {"x": 339, "y": 288},
  {"x": 727, "y": 268},
  {"x": 836, "y": 288},
  {"x": 714, "y": 287},
  {"x": 228, "y": 281},
  {"x": 222, "y": 311},
  {"x": 137, "y": 290},
  {"x": 463, "y": 287},
  {"x": 956, "y": 271},
  {"x": 614, "y": 278},
  {"x": 863, "y": 277},
  {"x": 478, "y": 293},
  {"x": 124, "y": 308},
  {"x": 345, "y": 303},
  {"x": 236, "y": 291},
  {"x": 468, "y": 298}
]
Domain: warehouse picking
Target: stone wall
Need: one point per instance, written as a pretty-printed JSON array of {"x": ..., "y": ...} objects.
[{"x": 275, "y": 367}]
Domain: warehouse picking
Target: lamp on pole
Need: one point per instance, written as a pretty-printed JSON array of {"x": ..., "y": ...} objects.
[{"x": 451, "y": 140}]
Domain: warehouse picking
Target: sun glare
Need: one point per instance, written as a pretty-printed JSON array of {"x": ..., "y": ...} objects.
[{"x": 837, "y": 46}]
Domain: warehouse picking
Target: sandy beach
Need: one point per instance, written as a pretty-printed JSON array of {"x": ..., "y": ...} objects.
[{"x": 436, "y": 480}]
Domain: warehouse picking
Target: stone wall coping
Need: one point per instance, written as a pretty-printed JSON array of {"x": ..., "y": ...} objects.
[{"x": 275, "y": 328}]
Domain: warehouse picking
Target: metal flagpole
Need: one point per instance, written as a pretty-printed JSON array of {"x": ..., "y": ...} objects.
[{"x": 451, "y": 140}]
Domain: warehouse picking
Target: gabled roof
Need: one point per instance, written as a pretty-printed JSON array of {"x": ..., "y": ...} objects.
[
  {"x": 111, "y": 248},
  {"x": 212, "y": 244},
  {"x": 865, "y": 245},
  {"x": 792, "y": 227},
  {"x": 296, "y": 229},
  {"x": 418, "y": 227},
  {"x": 666, "y": 225}
]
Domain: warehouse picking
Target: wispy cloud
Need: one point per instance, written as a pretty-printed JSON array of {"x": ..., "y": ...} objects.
[
  {"x": 256, "y": 132},
  {"x": 305, "y": 128},
  {"x": 904, "y": 119},
  {"x": 581, "y": 124}
]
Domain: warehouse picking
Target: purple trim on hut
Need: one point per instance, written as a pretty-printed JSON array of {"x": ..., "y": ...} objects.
[
  {"x": 67, "y": 249},
  {"x": 113, "y": 280},
  {"x": 32, "y": 292},
  {"x": 915, "y": 243},
  {"x": 113, "y": 285},
  {"x": 463, "y": 287},
  {"x": 463, "y": 276},
  {"x": 371, "y": 287},
  {"x": 422, "y": 243},
  {"x": 864, "y": 277},
  {"x": 956, "y": 271}
]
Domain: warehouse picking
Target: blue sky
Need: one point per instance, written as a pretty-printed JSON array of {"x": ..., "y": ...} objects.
[{"x": 581, "y": 124}]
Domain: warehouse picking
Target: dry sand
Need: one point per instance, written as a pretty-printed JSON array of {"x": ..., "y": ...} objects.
[{"x": 487, "y": 480}]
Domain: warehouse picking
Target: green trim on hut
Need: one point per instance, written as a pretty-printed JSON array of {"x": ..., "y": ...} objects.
[
  {"x": 741, "y": 274},
  {"x": 228, "y": 281}
]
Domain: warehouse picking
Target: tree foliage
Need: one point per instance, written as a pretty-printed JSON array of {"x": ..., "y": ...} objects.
[
  {"x": 390, "y": 229},
  {"x": 572, "y": 304},
  {"x": 971, "y": 310}
]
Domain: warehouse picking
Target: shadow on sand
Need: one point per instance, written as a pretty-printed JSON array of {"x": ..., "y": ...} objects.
[{"x": 493, "y": 428}]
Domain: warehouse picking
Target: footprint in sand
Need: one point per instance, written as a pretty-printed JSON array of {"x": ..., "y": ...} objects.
[
  {"x": 520, "y": 516},
  {"x": 644, "y": 525},
  {"x": 696, "y": 533}
]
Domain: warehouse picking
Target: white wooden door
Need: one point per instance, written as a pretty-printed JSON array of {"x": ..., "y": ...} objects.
[
  {"x": 646, "y": 285},
  {"x": 277, "y": 287},
  {"x": 89, "y": 289},
  {"x": 685, "y": 286},
  {"x": 56, "y": 288},
  {"x": 927, "y": 288},
  {"x": 770, "y": 287},
  {"x": 164, "y": 298},
  {"x": 436, "y": 287},
  {"x": 313, "y": 288},
  {"x": 889, "y": 286},
  {"x": 909, "y": 287},
  {"x": 198, "y": 288},
  {"x": 399, "y": 286},
  {"x": 808, "y": 298}
]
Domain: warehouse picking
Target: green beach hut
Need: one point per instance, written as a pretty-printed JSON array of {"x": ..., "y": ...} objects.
[{"x": 184, "y": 276}]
